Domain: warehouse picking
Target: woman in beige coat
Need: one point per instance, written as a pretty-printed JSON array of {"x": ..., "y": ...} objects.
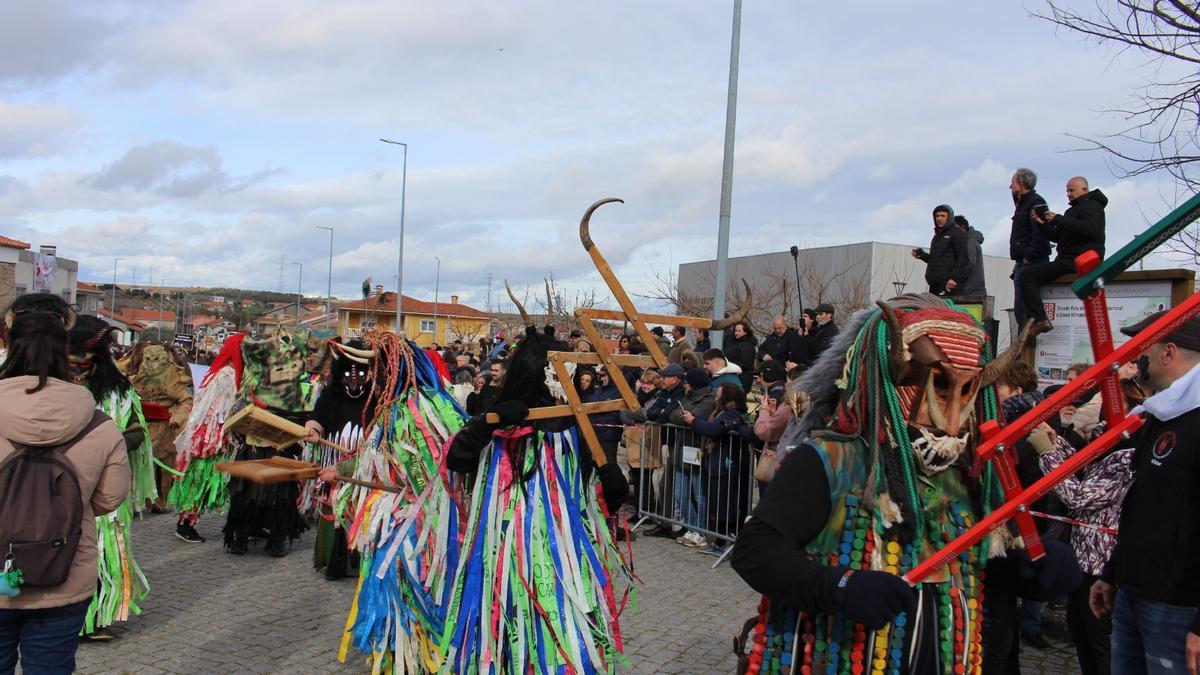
[{"x": 42, "y": 408}]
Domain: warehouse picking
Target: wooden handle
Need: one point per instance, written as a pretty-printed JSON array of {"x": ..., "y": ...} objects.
[{"x": 369, "y": 484}]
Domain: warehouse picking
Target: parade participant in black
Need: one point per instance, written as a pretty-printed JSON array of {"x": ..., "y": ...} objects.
[{"x": 340, "y": 415}]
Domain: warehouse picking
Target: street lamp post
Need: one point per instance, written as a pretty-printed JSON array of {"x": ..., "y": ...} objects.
[
  {"x": 400, "y": 262},
  {"x": 299, "y": 283},
  {"x": 113, "y": 308},
  {"x": 329, "y": 282},
  {"x": 437, "y": 281},
  {"x": 158, "y": 328}
]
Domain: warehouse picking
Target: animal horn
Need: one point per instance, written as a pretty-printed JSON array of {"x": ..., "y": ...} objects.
[
  {"x": 520, "y": 308},
  {"x": 585, "y": 234},
  {"x": 738, "y": 315},
  {"x": 99, "y": 337},
  {"x": 549, "y": 303},
  {"x": 896, "y": 338},
  {"x": 993, "y": 371}
]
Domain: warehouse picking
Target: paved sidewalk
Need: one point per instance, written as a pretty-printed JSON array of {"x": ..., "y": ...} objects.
[{"x": 210, "y": 612}]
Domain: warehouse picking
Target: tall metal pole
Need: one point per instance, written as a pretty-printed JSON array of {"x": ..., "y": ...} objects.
[
  {"x": 400, "y": 262},
  {"x": 437, "y": 285},
  {"x": 299, "y": 284},
  {"x": 158, "y": 328},
  {"x": 722, "y": 279},
  {"x": 329, "y": 283},
  {"x": 113, "y": 308}
]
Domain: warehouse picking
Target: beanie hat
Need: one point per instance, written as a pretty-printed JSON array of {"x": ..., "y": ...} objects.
[{"x": 697, "y": 378}]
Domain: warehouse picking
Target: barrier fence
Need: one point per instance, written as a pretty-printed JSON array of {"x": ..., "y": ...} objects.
[{"x": 684, "y": 479}]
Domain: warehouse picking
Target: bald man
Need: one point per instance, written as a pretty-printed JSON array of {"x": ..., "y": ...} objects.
[{"x": 1078, "y": 230}]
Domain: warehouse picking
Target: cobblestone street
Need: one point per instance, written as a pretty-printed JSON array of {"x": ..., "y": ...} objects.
[{"x": 210, "y": 612}]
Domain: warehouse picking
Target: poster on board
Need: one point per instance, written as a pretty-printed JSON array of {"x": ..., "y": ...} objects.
[{"x": 1068, "y": 343}]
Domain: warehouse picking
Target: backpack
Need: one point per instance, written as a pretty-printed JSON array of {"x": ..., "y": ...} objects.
[{"x": 41, "y": 509}]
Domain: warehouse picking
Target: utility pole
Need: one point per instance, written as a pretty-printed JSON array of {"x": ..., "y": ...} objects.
[
  {"x": 113, "y": 309},
  {"x": 299, "y": 284},
  {"x": 329, "y": 281},
  {"x": 722, "y": 280},
  {"x": 437, "y": 285},
  {"x": 400, "y": 262}
]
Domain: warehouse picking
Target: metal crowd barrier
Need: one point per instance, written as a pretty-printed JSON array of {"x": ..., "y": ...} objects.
[{"x": 705, "y": 485}]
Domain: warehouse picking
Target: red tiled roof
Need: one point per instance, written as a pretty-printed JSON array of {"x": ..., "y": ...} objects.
[
  {"x": 414, "y": 306},
  {"x": 146, "y": 315},
  {"x": 88, "y": 288},
  {"x": 136, "y": 325},
  {"x": 13, "y": 243}
]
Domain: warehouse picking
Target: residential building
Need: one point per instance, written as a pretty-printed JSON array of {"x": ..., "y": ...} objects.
[
  {"x": 131, "y": 330},
  {"x": 89, "y": 298},
  {"x": 17, "y": 276},
  {"x": 424, "y": 322}
]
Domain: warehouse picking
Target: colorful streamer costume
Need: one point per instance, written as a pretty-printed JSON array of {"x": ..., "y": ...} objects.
[
  {"x": 521, "y": 573},
  {"x": 121, "y": 586},
  {"x": 203, "y": 443},
  {"x": 896, "y": 406},
  {"x": 277, "y": 375}
]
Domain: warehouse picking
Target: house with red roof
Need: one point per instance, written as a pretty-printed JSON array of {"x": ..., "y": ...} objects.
[{"x": 424, "y": 322}]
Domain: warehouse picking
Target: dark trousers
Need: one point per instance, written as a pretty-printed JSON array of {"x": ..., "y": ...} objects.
[
  {"x": 46, "y": 639},
  {"x": 641, "y": 485},
  {"x": 1032, "y": 277},
  {"x": 1092, "y": 636}
]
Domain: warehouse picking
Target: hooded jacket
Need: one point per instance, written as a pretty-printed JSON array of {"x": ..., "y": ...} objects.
[
  {"x": 1081, "y": 228},
  {"x": 975, "y": 286},
  {"x": 1026, "y": 241},
  {"x": 52, "y": 416},
  {"x": 731, "y": 373},
  {"x": 741, "y": 351},
  {"x": 947, "y": 256}
]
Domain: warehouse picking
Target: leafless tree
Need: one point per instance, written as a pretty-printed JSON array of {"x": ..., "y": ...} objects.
[{"x": 1163, "y": 114}]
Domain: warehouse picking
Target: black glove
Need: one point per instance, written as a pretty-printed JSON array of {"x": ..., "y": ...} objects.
[
  {"x": 874, "y": 598},
  {"x": 510, "y": 412},
  {"x": 614, "y": 485},
  {"x": 133, "y": 439}
]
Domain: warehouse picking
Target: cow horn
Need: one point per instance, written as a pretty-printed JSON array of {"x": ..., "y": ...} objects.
[
  {"x": 993, "y": 371},
  {"x": 585, "y": 234},
  {"x": 520, "y": 308},
  {"x": 738, "y": 315},
  {"x": 896, "y": 338}
]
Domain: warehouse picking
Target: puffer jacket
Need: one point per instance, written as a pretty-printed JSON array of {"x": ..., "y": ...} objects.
[
  {"x": 1081, "y": 228},
  {"x": 51, "y": 416}
]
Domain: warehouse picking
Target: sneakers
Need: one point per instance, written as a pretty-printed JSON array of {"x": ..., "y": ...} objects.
[
  {"x": 188, "y": 533},
  {"x": 99, "y": 635},
  {"x": 661, "y": 531},
  {"x": 693, "y": 540}
]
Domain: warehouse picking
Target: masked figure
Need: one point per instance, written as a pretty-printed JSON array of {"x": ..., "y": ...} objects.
[
  {"x": 122, "y": 587},
  {"x": 341, "y": 413},
  {"x": 278, "y": 375},
  {"x": 163, "y": 380},
  {"x": 528, "y": 602},
  {"x": 204, "y": 443},
  {"x": 879, "y": 473}
]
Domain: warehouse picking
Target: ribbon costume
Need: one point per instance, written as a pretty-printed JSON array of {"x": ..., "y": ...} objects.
[
  {"x": 203, "y": 442},
  {"x": 879, "y": 473},
  {"x": 162, "y": 379},
  {"x": 121, "y": 587},
  {"x": 340, "y": 414},
  {"x": 277, "y": 377}
]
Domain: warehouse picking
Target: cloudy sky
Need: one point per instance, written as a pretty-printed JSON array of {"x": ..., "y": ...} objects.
[{"x": 207, "y": 139}]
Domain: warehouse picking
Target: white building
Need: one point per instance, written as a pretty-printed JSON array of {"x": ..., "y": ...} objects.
[{"x": 848, "y": 277}]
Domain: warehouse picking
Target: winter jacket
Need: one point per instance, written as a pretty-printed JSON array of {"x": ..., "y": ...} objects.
[
  {"x": 731, "y": 373},
  {"x": 820, "y": 338},
  {"x": 660, "y": 407},
  {"x": 947, "y": 258},
  {"x": 1026, "y": 242},
  {"x": 1158, "y": 545},
  {"x": 741, "y": 351},
  {"x": 1081, "y": 228},
  {"x": 607, "y": 424},
  {"x": 677, "y": 350},
  {"x": 51, "y": 416},
  {"x": 700, "y": 402},
  {"x": 783, "y": 348},
  {"x": 975, "y": 285},
  {"x": 720, "y": 432},
  {"x": 768, "y": 428}
]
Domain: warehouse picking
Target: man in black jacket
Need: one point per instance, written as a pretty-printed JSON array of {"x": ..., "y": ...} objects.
[
  {"x": 1080, "y": 229},
  {"x": 1152, "y": 582},
  {"x": 823, "y": 332},
  {"x": 947, "y": 266},
  {"x": 1026, "y": 243},
  {"x": 784, "y": 344}
]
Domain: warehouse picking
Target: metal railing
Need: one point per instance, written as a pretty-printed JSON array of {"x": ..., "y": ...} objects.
[{"x": 701, "y": 484}]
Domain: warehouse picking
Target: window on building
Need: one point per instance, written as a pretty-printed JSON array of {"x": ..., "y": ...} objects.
[
  {"x": 426, "y": 325},
  {"x": 21, "y": 290}
]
